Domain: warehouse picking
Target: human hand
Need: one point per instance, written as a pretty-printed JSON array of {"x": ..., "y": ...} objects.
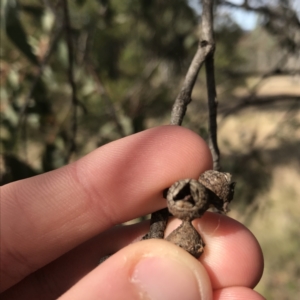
[{"x": 56, "y": 227}]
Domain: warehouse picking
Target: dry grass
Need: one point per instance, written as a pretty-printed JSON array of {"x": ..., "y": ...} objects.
[
  {"x": 289, "y": 85},
  {"x": 276, "y": 223}
]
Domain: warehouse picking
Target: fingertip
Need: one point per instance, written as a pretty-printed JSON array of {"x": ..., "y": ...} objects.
[
  {"x": 136, "y": 169},
  {"x": 153, "y": 269},
  {"x": 187, "y": 145},
  {"x": 237, "y": 293},
  {"x": 167, "y": 150},
  {"x": 232, "y": 254}
]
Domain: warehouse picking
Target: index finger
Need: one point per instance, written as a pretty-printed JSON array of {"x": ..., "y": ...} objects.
[{"x": 45, "y": 216}]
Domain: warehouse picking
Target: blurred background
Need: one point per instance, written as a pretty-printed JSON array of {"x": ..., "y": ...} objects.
[{"x": 76, "y": 75}]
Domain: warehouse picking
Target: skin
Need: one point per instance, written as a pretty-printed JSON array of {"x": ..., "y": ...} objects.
[{"x": 56, "y": 227}]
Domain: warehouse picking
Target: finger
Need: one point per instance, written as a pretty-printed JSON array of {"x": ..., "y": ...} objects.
[
  {"x": 242, "y": 263},
  {"x": 226, "y": 268},
  {"x": 237, "y": 293},
  {"x": 152, "y": 269},
  {"x": 60, "y": 275},
  {"x": 47, "y": 215},
  {"x": 232, "y": 255}
]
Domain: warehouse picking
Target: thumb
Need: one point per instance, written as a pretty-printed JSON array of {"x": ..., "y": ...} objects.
[{"x": 151, "y": 269}]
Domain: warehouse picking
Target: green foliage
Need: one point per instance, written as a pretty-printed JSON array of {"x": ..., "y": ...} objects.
[
  {"x": 139, "y": 51},
  {"x": 15, "y": 30},
  {"x": 129, "y": 59}
]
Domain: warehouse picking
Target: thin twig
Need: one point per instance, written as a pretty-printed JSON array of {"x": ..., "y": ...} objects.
[
  {"x": 285, "y": 30},
  {"x": 205, "y": 54},
  {"x": 276, "y": 72},
  {"x": 145, "y": 76},
  {"x": 53, "y": 43},
  {"x": 253, "y": 99},
  {"x": 282, "y": 61},
  {"x": 256, "y": 100},
  {"x": 75, "y": 101},
  {"x": 210, "y": 83},
  {"x": 109, "y": 104},
  {"x": 184, "y": 96},
  {"x": 212, "y": 111},
  {"x": 205, "y": 51}
]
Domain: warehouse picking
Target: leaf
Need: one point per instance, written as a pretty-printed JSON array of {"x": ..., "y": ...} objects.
[{"x": 15, "y": 30}]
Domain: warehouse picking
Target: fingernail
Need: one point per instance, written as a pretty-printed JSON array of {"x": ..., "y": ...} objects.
[{"x": 161, "y": 278}]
